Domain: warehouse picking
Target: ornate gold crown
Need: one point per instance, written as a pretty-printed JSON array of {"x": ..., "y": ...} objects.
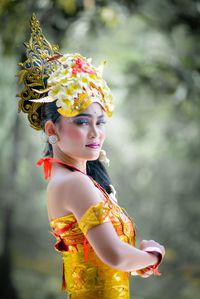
[{"x": 70, "y": 80}]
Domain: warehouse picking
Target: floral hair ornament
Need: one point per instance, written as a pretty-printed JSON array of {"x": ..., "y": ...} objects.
[
  {"x": 70, "y": 80},
  {"x": 103, "y": 157}
]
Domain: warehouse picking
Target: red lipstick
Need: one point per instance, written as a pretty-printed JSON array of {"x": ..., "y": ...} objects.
[{"x": 93, "y": 145}]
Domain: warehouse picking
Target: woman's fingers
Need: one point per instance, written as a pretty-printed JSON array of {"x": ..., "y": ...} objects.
[
  {"x": 152, "y": 244},
  {"x": 147, "y": 273}
]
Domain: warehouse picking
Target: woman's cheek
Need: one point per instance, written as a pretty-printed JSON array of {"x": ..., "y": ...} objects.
[
  {"x": 74, "y": 133},
  {"x": 103, "y": 134}
]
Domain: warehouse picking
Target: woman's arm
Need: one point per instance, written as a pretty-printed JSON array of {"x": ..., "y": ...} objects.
[
  {"x": 77, "y": 193},
  {"x": 115, "y": 253}
]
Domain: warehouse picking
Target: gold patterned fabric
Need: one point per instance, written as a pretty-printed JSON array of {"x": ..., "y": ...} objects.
[
  {"x": 84, "y": 274},
  {"x": 95, "y": 215}
]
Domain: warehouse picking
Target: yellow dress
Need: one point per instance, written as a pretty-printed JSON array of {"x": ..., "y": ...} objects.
[{"x": 84, "y": 274}]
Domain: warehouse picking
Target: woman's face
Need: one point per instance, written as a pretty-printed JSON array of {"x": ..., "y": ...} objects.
[{"x": 82, "y": 136}]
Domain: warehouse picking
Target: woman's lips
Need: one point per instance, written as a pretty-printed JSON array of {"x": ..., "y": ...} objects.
[{"x": 93, "y": 145}]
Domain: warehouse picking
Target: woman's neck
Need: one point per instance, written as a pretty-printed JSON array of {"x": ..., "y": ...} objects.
[{"x": 80, "y": 164}]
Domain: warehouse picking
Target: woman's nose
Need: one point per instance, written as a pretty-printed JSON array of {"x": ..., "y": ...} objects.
[{"x": 93, "y": 132}]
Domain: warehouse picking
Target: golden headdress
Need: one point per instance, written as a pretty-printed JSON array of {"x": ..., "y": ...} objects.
[{"x": 70, "y": 80}]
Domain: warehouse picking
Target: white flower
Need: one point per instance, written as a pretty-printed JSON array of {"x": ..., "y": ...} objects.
[
  {"x": 103, "y": 157},
  {"x": 75, "y": 75}
]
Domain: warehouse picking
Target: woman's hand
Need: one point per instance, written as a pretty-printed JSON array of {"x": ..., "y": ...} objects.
[
  {"x": 145, "y": 273},
  {"x": 152, "y": 245}
]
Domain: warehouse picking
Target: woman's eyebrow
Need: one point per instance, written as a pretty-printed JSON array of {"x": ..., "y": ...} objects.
[{"x": 88, "y": 115}]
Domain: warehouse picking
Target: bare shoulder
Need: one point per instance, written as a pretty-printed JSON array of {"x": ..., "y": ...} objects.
[
  {"x": 69, "y": 182},
  {"x": 73, "y": 191}
]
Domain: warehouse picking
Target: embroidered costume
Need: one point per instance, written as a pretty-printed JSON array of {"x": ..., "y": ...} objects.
[{"x": 84, "y": 274}]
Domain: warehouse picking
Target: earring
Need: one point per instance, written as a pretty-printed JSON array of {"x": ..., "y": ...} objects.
[
  {"x": 53, "y": 139},
  {"x": 103, "y": 157}
]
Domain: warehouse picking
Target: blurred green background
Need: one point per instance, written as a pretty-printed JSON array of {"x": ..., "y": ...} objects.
[{"x": 153, "y": 139}]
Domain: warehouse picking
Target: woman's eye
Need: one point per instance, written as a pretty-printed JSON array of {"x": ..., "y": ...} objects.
[
  {"x": 101, "y": 122},
  {"x": 86, "y": 122},
  {"x": 81, "y": 121}
]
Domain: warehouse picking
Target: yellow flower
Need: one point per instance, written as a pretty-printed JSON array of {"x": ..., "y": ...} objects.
[
  {"x": 54, "y": 91},
  {"x": 73, "y": 77}
]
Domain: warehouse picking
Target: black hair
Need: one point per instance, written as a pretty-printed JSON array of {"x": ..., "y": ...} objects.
[{"x": 95, "y": 168}]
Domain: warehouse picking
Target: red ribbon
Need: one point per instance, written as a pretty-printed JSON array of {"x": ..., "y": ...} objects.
[
  {"x": 85, "y": 250},
  {"x": 154, "y": 268},
  {"x": 47, "y": 167},
  {"x": 58, "y": 232}
]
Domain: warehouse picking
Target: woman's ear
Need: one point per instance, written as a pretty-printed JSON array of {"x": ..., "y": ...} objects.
[{"x": 50, "y": 128}]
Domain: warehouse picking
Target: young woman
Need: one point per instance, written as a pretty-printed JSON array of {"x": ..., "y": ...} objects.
[{"x": 66, "y": 96}]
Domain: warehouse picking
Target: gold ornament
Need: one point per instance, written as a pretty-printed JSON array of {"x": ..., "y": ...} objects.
[
  {"x": 70, "y": 80},
  {"x": 53, "y": 139},
  {"x": 35, "y": 72}
]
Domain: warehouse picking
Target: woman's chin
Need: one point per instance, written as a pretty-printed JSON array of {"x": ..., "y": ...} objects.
[{"x": 93, "y": 157}]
